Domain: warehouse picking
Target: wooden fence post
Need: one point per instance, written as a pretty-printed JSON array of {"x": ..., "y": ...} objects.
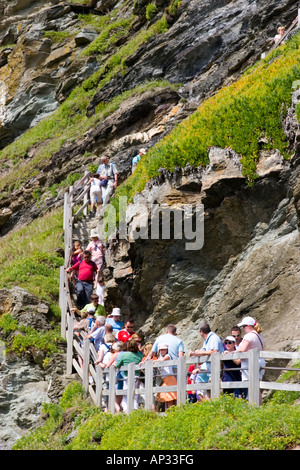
[
  {"x": 131, "y": 387},
  {"x": 70, "y": 345},
  {"x": 181, "y": 381},
  {"x": 112, "y": 389},
  {"x": 149, "y": 385},
  {"x": 65, "y": 210},
  {"x": 85, "y": 367},
  {"x": 215, "y": 375},
  {"x": 254, "y": 391},
  {"x": 62, "y": 302},
  {"x": 86, "y": 198},
  {"x": 99, "y": 380}
]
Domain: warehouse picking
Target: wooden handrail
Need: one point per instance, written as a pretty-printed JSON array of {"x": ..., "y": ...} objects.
[{"x": 293, "y": 25}]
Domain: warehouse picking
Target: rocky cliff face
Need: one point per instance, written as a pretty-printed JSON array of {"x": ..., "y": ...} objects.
[
  {"x": 207, "y": 45},
  {"x": 247, "y": 266},
  {"x": 25, "y": 385}
]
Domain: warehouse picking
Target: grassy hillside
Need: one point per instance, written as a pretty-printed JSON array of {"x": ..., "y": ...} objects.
[
  {"x": 245, "y": 116},
  {"x": 31, "y": 258}
]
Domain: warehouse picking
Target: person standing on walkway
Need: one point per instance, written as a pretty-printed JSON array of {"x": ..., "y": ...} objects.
[
  {"x": 212, "y": 344},
  {"x": 96, "y": 248},
  {"x": 108, "y": 175},
  {"x": 175, "y": 344},
  {"x": 237, "y": 334},
  {"x": 253, "y": 339},
  {"x": 114, "y": 320},
  {"x": 279, "y": 35},
  {"x": 95, "y": 193},
  {"x": 136, "y": 159},
  {"x": 87, "y": 270}
]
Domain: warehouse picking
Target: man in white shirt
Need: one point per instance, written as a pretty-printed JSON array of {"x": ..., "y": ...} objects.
[{"x": 108, "y": 175}]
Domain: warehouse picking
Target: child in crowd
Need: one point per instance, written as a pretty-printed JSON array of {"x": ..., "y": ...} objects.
[
  {"x": 99, "y": 287},
  {"x": 166, "y": 373},
  {"x": 76, "y": 255}
]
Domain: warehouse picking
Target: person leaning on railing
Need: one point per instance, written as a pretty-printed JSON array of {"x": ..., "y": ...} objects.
[
  {"x": 132, "y": 354},
  {"x": 212, "y": 344},
  {"x": 253, "y": 339}
]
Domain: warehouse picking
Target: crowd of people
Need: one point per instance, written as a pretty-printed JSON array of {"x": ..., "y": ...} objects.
[{"x": 116, "y": 342}]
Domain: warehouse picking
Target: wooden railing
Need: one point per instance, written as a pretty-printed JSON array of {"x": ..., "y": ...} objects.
[
  {"x": 104, "y": 387},
  {"x": 77, "y": 195},
  {"x": 81, "y": 353}
]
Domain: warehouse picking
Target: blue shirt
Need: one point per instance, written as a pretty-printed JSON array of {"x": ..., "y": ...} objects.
[
  {"x": 136, "y": 159},
  {"x": 212, "y": 342},
  {"x": 175, "y": 345},
  {"x": 98, "y": 336}
]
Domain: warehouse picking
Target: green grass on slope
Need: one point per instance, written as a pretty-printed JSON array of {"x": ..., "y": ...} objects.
[
  {"x": 236, "y": 117},
  {"x": 226, "y": 423},
  {"x": 69, "y": 122},
  {"x": 29, "y": 257}
]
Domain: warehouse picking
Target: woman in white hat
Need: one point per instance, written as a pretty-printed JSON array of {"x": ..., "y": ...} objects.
[
  {"x": 114, "y": 320},
  {"x": 96, "y": 248},
  {"x": 253, "y": 339}
]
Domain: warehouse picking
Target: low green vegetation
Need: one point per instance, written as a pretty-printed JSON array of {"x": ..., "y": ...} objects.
[
  {"x": 111, "y": 32},
  {"x": 31, "y": 257},
  {"x": 27, "y": 338},
  {"x": 151, "y": 11},
  {"x": 57, "y": 36},
  {"x": 245, "y": 116},
  {"x": 226, "y": 423}
]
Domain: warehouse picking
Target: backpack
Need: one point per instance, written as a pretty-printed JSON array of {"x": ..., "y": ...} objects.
[{"x": 108, "y": 348}]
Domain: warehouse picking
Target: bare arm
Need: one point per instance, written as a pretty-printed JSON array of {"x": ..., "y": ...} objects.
[{"x": 201, "y": 352}]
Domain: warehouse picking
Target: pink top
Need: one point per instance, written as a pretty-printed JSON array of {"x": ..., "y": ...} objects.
[
  {"x": 96, "y": 250},
  {"x": 255, "y": 340}
]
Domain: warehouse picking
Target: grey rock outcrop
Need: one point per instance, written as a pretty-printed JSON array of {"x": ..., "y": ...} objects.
[
  {"x": 25, "y": 382},
  {"x": 248, "y": 264},
  {"x": 37, "y": 73},
  {"x": 208, "y": 44}
]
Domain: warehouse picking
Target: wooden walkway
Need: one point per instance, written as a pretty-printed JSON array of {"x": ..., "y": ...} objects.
[{"x": 81, "y": 353}]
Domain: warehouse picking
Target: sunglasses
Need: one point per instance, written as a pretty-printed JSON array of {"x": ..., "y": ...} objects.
[{"x": 229, "y": 342}]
